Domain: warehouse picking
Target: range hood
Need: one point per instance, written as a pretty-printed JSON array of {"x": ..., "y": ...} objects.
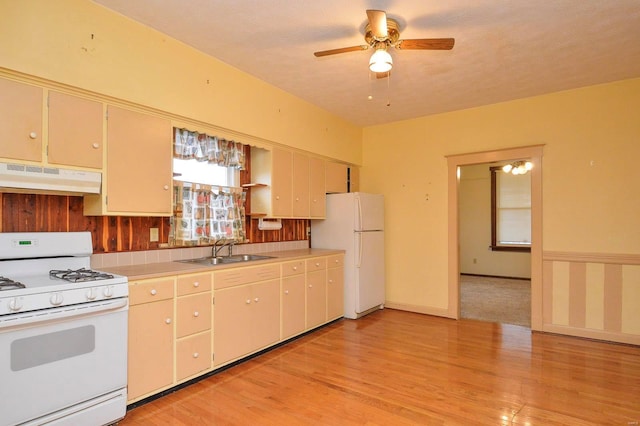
[{"x": 39, "y": 179}]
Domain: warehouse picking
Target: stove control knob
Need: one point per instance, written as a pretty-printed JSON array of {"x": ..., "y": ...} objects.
[
  {"x": 56, "y": 299},
  {"x": 108, "y": 291},
  {"x": 15, "y": 304},
  {"x": 92, "y": 293}
]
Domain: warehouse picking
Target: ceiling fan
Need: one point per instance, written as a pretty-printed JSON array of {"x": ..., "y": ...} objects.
[{"x": 381, "y": 33}]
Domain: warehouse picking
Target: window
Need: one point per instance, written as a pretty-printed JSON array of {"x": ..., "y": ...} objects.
[
  {"x": 204, "y": 172},
  {"x": 510, "y": 211},
  {"x": 208, "y": 204}
]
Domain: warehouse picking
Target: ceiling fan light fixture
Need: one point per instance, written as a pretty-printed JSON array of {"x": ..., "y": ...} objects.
[{"x": 381, "y": 60}]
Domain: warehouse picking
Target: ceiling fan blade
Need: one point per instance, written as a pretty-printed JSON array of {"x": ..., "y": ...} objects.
[
  {"x": 378, "y": 23},
  {"x": 341, "y": 50},
  {"x": 426, "y": 43}
]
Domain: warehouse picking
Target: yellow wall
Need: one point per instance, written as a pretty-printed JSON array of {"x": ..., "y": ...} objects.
[
  {"x": 590, "y": 179},
  {"x": 82, "y": 44}
]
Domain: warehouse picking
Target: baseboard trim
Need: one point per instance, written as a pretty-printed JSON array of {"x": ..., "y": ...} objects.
[
  {"x": 439, "y": 312},
  {"x": 606, "y": 336},
  {"x": 496, "y": 276}
]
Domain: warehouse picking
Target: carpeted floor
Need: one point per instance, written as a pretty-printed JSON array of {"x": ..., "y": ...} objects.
[{"x": 492, "y": 299}]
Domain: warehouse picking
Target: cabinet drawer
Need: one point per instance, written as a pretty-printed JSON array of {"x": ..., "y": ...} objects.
[
  {"x": 237, "y": 276},
  {"x": 150, "y": 291},
  {"x": 193, "y": 355},
  {"x": 293, "y": 268},
  {"x": 191, "y": 284},
  {"x": 193, "y": 314},
  {"x": 316, "y": 264},
  {"x": 335, "y": 261}
]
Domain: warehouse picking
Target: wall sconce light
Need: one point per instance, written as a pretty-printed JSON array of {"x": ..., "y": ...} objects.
[
  {"x": 381, "y": 60},
  {"x": 518, "y": 167}
]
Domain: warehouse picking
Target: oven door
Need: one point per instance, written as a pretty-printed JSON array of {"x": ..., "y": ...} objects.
[{"x": 55, "y": 359}]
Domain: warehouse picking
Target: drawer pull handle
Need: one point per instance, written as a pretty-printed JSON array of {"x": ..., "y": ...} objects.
[
  {"x": 166, "y": 187},
  {"x": 167, "y": 321},
  {"x": 286, "y": 292},
  {"x": 295, "y": 268},
  {"x": 330, "y": 281},
  {"x": 317, "y": 263},
  {"x": 248, "y": 301},
  {"x": 196, "y": 354},
  {"x": 95, "y": 145},
  {"x": 196, "y": 284},
  {"x": 33, "y": 135},
  {"x": 337, "y": 261},
  {"x": 310, "y": 285},
  {"x": 153, "y": 292},
  {"x": 196, "y": 314},
  {"x": 256, "y": 300}
]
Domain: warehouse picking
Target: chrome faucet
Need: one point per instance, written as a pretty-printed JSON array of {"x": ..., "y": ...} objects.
[{"x": 216, "y": 248}]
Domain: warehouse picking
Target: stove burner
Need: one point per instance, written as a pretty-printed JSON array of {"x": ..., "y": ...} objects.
[
  {"x": 9, "y": 284},
  {"x": 79, "y": 275}
]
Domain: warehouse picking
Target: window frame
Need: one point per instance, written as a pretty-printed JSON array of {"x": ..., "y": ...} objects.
[{"x": 494, "y": 219}]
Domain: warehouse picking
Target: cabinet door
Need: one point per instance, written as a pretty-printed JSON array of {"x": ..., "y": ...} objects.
[
  {"x": 231, "y": 323},
  {"x": 293, "y": 321},
  {"x": 138, "y": 163},
  {"x": 281, "y": 182},
  {"x": 317, "y": 199},
  {"x": 150, "y": 358},
  {"x": 21, "y": 118},
  {"x": 193, "y": 355},
  {"x": 335, "y": 293},
  {"x": 265, "y": 314},
  {"x": 75, "y": 131},
  {"x": 300, "y": 185},
  {"x": 193, "y": 314},
  {"x": 316, "y": 298},
  {"x": 336, "y": 177}
]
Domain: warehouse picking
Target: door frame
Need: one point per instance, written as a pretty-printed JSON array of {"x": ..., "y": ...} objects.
[{"x": 454, "y": 162}]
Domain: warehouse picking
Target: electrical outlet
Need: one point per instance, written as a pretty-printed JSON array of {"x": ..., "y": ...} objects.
[{"x": 153, "y": 235}]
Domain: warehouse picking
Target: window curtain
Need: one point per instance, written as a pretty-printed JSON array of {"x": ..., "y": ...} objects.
[
  {"x": 202, "y": 147},
  {"x": 203, "y": 214}
]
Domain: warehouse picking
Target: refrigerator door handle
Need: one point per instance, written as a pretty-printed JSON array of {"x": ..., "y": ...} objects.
[
  {"x": 359, "y": 249},
  {"x": 359, "y": 217}
]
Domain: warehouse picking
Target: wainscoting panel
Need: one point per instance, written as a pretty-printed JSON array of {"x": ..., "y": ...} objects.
[
  {"x": 111, "y": 234},
  {"x": 592, "y": 295}
]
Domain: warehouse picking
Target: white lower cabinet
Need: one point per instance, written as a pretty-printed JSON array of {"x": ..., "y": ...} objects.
[
  {"x": 246, "y": 319},
  {"x": 292, "y": 298},
  {"x": 184, "y": 326}
]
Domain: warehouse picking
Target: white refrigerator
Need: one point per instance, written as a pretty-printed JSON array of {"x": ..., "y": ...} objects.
[{"x": 355, "y": 223}]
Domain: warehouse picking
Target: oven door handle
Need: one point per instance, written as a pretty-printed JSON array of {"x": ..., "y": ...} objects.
[{"x": 62, "y": 313}]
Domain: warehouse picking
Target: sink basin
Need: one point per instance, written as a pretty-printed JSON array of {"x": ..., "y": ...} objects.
[{"x": 237, "y": 258}]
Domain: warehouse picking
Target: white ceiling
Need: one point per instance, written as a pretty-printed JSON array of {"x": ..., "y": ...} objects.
[{"x": 504, "y": 49}]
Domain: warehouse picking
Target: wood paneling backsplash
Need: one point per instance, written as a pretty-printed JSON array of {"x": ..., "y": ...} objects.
[{"x": 110, "y": 234}]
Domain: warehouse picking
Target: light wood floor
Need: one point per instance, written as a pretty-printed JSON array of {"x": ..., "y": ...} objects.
[{"x": 398, "y": 368}]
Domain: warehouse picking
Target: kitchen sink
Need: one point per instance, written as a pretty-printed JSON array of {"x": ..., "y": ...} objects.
[{"x": 224, "y": 260}]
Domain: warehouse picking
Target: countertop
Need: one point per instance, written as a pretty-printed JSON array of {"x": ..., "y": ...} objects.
[{"x": 163, "y": 269}]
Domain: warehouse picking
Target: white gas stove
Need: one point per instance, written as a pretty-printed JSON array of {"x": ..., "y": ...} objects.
[{"x": 63, "y": 332}]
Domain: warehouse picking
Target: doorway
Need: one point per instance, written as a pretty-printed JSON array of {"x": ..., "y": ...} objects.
[
  {"x": 494, "y": 228},
  {"x": 455, "y": 162}
]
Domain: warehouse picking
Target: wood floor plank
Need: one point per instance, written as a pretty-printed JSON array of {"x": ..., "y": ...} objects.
[{"x": 399, "y": 368}]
